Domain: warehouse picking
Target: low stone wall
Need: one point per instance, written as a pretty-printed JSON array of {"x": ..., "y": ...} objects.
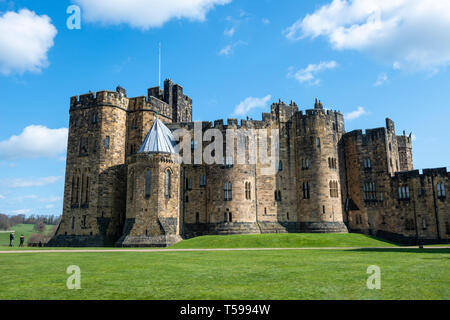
[
  {"x": 79, "y": 241},
  {"x": 149, "y": 242},
  {"x": 196, "y": 230}
]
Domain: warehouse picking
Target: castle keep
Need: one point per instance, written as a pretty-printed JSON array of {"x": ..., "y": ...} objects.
[{"x": 126, "y": 186}]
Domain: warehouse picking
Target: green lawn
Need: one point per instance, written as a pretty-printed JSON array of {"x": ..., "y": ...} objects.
[
  {"x": 316, "y": 274},
  {"x": 301, "y": 240},
  {"x": 26, "y": 229}
]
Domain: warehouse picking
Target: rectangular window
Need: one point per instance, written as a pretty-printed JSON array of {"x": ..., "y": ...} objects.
[
  {"x": 202, "y": 181},
  {"x": 227, "y": 191},
  {"x": 107, "y": 142},
  {"x": 147, "y": 183}
]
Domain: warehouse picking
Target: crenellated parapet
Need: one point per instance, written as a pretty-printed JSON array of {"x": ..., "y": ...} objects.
[{"x": 101, "y": 98}]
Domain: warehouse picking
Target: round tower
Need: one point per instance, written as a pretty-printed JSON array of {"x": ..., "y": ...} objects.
[{"x": 318, "y": 170}]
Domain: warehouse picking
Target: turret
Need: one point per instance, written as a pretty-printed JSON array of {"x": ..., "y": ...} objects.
[{"x": 153, "y": 192}]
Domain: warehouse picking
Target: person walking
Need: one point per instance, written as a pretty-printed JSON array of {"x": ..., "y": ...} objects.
[
  {"x": 11, "y": 239},
  {"x": 22, "y": 240}
]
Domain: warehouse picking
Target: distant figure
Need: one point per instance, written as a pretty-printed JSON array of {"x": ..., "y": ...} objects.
[
  {"x": 22, "y": 240},
  {"x": 11, "y": 239},
  {"x": 40, "y": 243}
]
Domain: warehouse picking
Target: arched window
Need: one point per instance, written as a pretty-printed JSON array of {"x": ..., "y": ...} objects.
[
  {"x": 73, "y": 191},
  {"x": 167, "y": 184},
  {"x": 147, "y": 183},
  {"x": 334, "y": 189},
  {"x": 197, "y": 218},
  {"x": 83, "y": 186},
  {"x": 77, "y": 190},
  {"x": 277, "y": 195},
  {"x": 248, "y": 194},
  {"x": 280, "y": 166},
  {"x": 131, "y": 184},
  {"x": 305, "y": 164},
  {"x": 227, "y": 191},
  {"x": 86, "y": 197},
  {"x": 318, "y": 142},
  {"x": 306, "y": 190}
]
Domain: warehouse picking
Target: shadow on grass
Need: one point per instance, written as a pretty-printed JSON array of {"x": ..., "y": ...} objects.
[
  {"x": 382, "y": 240},
  {"x": 427, "y": 250}
]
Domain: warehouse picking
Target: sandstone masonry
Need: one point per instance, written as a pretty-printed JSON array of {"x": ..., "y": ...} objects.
[{"x": 327, "y": 180}]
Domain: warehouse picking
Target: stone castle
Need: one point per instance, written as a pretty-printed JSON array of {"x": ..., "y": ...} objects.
[{"x": 124, "y": 186}]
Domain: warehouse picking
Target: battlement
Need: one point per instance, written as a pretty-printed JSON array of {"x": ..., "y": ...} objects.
[
  {"x": 405, "y": 175},
  {"x": 245, "y": 124},
  {"x": 282, "y": 111},
  {"x": 442, "y": 172},
  {"x": 319, "y": 112},
  {"x": 91, "y": 99},
  {"x": 368, "y": 134},
  {"x": 144, "y": 103},
  {"x": 405, "y": 141}
]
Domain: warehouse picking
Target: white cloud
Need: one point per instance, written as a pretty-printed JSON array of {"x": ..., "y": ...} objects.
[
  {"x": 265, "y": 21},
  {"x": 309, "y": 73},
  {"x": 226, "y": 51},
  {"x": 28, "y": 183},
  {"x": 230, "y": 32},
  {"x": 359, "y": 112},
  {"x": 409, "y": 34},
  {"x": 50, "y": 199},
  {"x": 229, "y": 49},
  {"x": 382, "y": 78},
  {"x": 35, "y": 142},
  {"x": 251, "y": 103},
  {"x": 25, "y": 39},
  {"x": 21, "y": 211},
  {"x": 145, "y": 14},
  {"x": 2, "y": 197}
]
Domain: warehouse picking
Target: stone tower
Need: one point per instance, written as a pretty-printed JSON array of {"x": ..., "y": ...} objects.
[
  {"x": 94, "y": 202},
  {"x": 153, "y": 192},
  {"x": 405, "y": 152},
  {"x": 318, "y": 170}
]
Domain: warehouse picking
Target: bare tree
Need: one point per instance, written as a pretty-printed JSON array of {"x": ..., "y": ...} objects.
[{"x": 4, "y": 222}]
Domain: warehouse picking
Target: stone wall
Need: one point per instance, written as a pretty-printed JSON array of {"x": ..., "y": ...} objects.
[{"x": 106, "y": 201}]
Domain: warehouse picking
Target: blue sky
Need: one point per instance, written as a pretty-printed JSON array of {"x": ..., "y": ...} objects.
[{"x": 368, "y": 59}]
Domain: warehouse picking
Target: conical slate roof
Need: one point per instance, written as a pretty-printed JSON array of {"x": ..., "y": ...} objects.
[{"x": 159, "y": 140}]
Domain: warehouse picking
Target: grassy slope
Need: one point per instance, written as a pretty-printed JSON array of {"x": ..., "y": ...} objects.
[
  {"x": 317, "y": 274},
  {"x": 302, "y": 240},
  {"x": 26, "y": 229}
]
